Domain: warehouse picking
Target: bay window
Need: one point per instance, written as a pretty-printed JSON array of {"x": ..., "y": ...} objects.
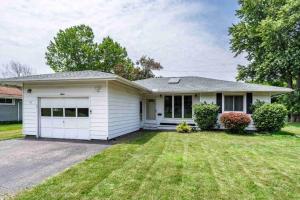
[
  {"x": 178, "y": 106},
  {"x": 234, "y": 103}
]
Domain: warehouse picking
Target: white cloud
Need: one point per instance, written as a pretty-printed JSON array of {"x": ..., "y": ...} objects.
[{"x": 171, "y": 31}]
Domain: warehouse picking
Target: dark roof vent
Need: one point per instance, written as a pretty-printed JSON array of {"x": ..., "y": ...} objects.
[{"x": 174, "y": 80}]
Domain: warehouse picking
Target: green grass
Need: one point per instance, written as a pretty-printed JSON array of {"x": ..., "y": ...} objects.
[
  {"x": 168, "y": 165},
  {"x": 10, "y": 131},
  {"x": 292, "y": 128}
]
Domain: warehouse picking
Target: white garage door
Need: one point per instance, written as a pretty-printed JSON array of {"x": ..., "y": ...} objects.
[{"x": 66, "y": 118}]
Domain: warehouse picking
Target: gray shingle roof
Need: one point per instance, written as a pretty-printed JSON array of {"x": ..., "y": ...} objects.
[
  {"x": 200, "y": 84},
  {"x": 185, "y": 85},
  {"x": 63, "y": 76}
]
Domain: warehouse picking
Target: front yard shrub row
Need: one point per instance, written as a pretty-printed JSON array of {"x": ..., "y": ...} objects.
[
  {"x": 206, "y": 115},
  {"x": 267, "y": 117},
  {"x": 235, "y": 122},
  {"x": 270, "y": 117}
]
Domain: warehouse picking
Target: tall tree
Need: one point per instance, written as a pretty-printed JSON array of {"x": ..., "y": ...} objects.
[
  {"x": 16, "y": 69},
  {"x": 269, "y": 33},
  {"x": 145, "y": 67},
  {"x": 73, "y": 49},
  {"x": 112, "y": 54}
]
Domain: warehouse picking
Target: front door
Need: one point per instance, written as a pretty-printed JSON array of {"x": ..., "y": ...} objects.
[{"x": 150, "y": 109}]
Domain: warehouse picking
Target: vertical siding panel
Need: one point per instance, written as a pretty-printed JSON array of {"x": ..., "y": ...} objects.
[{"x": 123, "y": 110}]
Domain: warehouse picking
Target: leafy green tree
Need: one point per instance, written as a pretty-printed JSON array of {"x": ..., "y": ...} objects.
[
  {"x": 73, "y": 49},
  {"x": 113, "y": 54},
  {"x": 269, "y": 33}
]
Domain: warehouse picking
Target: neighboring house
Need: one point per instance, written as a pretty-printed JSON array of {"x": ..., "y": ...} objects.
[
  {"x": 96, "y": 105},
  {"x": 10, "y": 104}
]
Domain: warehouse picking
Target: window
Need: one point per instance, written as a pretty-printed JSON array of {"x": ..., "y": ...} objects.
[
  {"x": 46, "y": 112},
  {"x": 181, "y": 105},
  {"x": 70, "y": 112},
  {"x": 177, "y": 106},
  {"x": 6, "y": 101},
  {"x": 141, "y": 110},
  {"x": 188, "y": 103},
  {"x": 234, "y": 103},
  {"x": 58, "y": 112},
  {"x": 82, "y": 112},
  {"x": 168, "y": 107}
]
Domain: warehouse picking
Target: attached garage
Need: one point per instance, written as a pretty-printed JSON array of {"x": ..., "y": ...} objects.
[{"x": 66, "y": 118}]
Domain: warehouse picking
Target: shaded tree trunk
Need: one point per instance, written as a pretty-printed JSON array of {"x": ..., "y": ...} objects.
[
  {"x": 289, "y": 80},
  {"x": 298, "y": 81}
]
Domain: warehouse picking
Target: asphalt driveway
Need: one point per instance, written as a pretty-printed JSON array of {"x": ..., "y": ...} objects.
[{"x": 24, "y": 162}]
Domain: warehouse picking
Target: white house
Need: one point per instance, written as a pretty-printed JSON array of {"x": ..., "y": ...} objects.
[{"x": 96, "y": 105}]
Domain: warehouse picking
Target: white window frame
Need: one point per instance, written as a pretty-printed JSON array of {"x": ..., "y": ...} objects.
[
  {"x": 233, "y": 94},
  {"x": 182, "y": 106},
  {"x": 13, "y": 102}
]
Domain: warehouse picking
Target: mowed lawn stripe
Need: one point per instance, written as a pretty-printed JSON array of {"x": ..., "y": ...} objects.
[
  {"x": 125, "y": 181},
  {"x": 165, "y": 173}
]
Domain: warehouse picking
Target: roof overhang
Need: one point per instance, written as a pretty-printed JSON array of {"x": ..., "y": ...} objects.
[{"x": 20, "y": 83}]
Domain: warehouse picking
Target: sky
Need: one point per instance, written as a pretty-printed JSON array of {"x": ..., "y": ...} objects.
[{"x": 188, "y": 37}]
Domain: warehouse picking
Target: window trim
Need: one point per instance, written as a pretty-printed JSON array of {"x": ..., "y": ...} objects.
[
  {"x": 13, "y": 101},
  {"x": 182, "y": 106},
  {"x": 233, "y": 94}
]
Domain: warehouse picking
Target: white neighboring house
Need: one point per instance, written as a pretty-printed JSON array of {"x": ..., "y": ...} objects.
[{"x": 96, "y": 105}]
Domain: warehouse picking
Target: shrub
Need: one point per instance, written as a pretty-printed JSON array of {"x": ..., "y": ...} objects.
[
  {"x": 270, "y": 117},
  {"x": 206, "y": 115},
  {"x": 256, "y": 105},
  {"x": 235, "y": 122},
  {"x": 183, "y": 127}
]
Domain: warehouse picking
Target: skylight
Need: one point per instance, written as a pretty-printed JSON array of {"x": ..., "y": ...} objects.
[{"x": 174, "y": 80}]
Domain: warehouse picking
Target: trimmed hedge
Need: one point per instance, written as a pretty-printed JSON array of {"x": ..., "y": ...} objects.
[
  {"x": 270, "y": 117},
  {"x": 183, "y": 127},
  {"x": 206, "y": 115},
  {"x": 235, "y": 122}
]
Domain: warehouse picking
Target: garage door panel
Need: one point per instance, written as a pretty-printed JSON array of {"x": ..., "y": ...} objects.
[
  {"x": 57, "y": 123},
  {"x": 71, "y": 123},
  {"x": 46, "y": 122},
  {"x": 57, "y": 132},
  {"x": 71, "y": 133},
  {"x": 83, "y": 124},
  {"x": 79, "y": 102},
  {"x": 52, "y": 102},
  {"x": 83, "y": 134},
  {"x": 47, "y": 132}
]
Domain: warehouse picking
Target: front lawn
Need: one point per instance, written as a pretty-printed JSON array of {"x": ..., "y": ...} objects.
[
  {"x": 292, "y": 128},
  {"x": 10, "y": 131},
  {"x": 168, "y": 165}
]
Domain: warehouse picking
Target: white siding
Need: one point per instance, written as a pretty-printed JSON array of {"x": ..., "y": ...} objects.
[
  {"x": 96, "y": 92},
  {"x": 123, "y": 108},
  {"x": 262, "y": 96},
  {"x": 208, "y": 97}
]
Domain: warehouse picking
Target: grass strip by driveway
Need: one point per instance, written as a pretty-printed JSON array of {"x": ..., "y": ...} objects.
[
  {"x": 10, "y": 131},
  {"x": 168, "y": 165}
]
